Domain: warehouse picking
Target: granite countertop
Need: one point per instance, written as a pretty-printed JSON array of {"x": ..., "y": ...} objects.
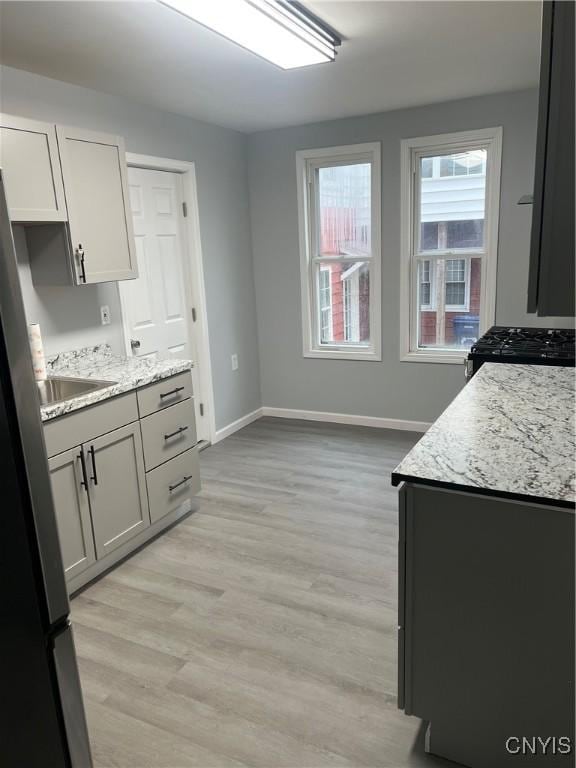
[
  {"x": 509, "y": 432},
  {"x": 101, "y": 363}
]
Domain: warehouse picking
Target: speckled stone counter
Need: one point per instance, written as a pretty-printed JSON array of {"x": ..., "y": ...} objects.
[
  {"x": 509, "y": 432},
  {"x": 101, "y": 363}
]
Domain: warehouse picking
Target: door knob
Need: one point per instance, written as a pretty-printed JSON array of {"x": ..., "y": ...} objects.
[{"x": 135, "y": 343}]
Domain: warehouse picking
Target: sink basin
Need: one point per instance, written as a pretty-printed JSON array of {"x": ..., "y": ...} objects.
[{"x": 58, "y": 389}]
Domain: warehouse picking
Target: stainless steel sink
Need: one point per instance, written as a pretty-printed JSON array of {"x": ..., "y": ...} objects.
[{"x": 58, "y": 389}]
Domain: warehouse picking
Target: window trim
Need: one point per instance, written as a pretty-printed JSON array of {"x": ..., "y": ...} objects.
[
  {"x": 491, "y": 139},
  {"x": 306, "y": 161}
]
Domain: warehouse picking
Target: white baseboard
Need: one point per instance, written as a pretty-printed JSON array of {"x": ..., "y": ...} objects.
[
  {"x": 236, "y": 425},
  {"x": 347, "y": 418},
  {"x": 335, "y": 418}
]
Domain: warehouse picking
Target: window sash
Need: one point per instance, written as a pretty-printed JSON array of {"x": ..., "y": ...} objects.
[
  {"x": 313, "y": 168},
  {"x": 308, "y": 162},
  {"x": 323, "y": 312},
  {"x": 416, "y": 170}
]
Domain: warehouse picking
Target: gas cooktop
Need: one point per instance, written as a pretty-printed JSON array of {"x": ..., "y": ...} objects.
[
  {"x": 540, "y": 346},
  {"x": 555, "y": 343}
]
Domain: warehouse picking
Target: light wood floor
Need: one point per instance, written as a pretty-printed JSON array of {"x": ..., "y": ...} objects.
[{"x": 260, "y": 631}]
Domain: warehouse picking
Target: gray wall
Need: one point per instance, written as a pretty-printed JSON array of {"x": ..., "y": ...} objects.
[
  {"x": 70, "y": 316},
  {"x": 393, "y": 389}
]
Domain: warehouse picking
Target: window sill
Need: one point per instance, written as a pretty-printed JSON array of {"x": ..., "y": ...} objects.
[
  {"x": 342, "y": 354},
  {"x": 453, "y": 358}
]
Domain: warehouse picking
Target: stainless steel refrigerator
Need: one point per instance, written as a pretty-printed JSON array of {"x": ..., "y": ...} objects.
[{"x": 42, "y": 721}]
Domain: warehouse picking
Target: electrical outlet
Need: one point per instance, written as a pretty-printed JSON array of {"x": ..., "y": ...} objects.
[
  {"x": 234, "y": 361},
  {"x": 105, "y": 315}
]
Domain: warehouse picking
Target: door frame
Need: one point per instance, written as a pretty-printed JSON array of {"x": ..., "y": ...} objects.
[{"x": 194, "y": 286}]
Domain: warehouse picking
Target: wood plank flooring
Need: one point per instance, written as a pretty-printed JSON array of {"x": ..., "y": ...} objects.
[{"x": 260, "y": 631}]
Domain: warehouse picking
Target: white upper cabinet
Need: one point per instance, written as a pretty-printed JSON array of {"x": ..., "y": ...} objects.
[
  {"x": 72, "y": 185},
  {"x": 31, "y": 170},
  {"x": 99, "y": 217}
]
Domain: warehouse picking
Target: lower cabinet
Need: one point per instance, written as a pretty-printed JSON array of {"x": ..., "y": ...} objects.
[
  {"x": 105, "y": 500},
  {"x": 72, "y": 511},
  {"x": 117, "y": 485}
]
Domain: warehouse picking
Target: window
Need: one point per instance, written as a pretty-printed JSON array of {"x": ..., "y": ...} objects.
[
  {"x": 347, "y": 310},
  {"x": 325, "y": 303},
  {"x": 425, "y": 285},
  {"x": 456, "y": 284},
  {"x": 339, "y": 215},
  {"x": 450, "y": 206}
]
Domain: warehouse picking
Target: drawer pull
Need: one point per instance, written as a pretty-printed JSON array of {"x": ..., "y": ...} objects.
[
  {"x": 172, "y": 392},
  {"x": 185, "y": 479},
  {"x": 174, "y": 434}
]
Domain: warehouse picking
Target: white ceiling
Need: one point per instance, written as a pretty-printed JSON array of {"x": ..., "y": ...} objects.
[{"x": 395, "y": 54}]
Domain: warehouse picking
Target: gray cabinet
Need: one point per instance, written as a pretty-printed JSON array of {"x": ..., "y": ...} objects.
[
  {"x": 31, "y": 169},
  {"x": 551, "y": 283},
  {"x": 72, "y": 185},
  {"x": 70, "y": 493},
  {"x": 486, "y": 623},
  {"x": 99, "y": 217},
  {"x": 106, "y": 503},
  {"x": 117, "y": 488}
]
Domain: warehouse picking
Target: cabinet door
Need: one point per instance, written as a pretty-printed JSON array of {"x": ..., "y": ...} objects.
[
  {"x": 72, "y": 512},
  {"x": 31, "y": 169},
  {"x": 117, "y": 488},
  {"x": 551, "y": 279},
  {"x": 95, "y": 183}
]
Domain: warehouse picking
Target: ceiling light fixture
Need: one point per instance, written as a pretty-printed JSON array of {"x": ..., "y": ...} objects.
[{"x": 281, "y": 31}]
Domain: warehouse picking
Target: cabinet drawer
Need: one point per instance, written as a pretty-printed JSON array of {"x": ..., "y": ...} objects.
[
  {"x": 165, "y": 393},
  {"x": 88, "y": 423},
  {"x": 168, "y": 433},
  {"x": 173, "y": 484}
]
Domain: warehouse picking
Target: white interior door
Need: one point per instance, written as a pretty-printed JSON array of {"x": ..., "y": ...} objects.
[{"x": 155, "y": 304}]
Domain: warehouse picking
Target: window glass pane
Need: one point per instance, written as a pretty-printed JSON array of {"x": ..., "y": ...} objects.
[
  {"x": 427, "y": 167},
  {"x": 424, "y": 284},
  {"x": 465, "y": 234},
  {"x": 325, "y": 303},
  {"x": 450, "y": 318},
  {"x": 344, "y": 302},
  {"x": 344, "y": 207},
  {"x": 452, "y": 203},
  {"x": 429, "y": 236}
]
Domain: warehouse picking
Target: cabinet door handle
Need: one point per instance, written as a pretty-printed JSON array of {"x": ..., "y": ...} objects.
[
  {"x": 172, "y": 392},
  {"x": 177, "y": 432},
  {"x": 84, "y": 481},
  {"x": 93, "y": 457},
  {"x": 185, "y": 479},
  {"x": 80, "y": 254}
]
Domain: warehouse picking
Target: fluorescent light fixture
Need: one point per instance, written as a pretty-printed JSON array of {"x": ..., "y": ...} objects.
[{"x": 280, "y": 31}]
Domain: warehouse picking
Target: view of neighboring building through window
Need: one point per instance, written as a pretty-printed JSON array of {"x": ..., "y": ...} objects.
[
  {"x": 449, "y": 221},
  {"x": 345, "y": 213},
  {"x": 340, "y": 259}
]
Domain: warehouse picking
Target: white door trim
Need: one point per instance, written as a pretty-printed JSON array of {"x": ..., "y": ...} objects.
[{"x": 194, "y": 287}]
